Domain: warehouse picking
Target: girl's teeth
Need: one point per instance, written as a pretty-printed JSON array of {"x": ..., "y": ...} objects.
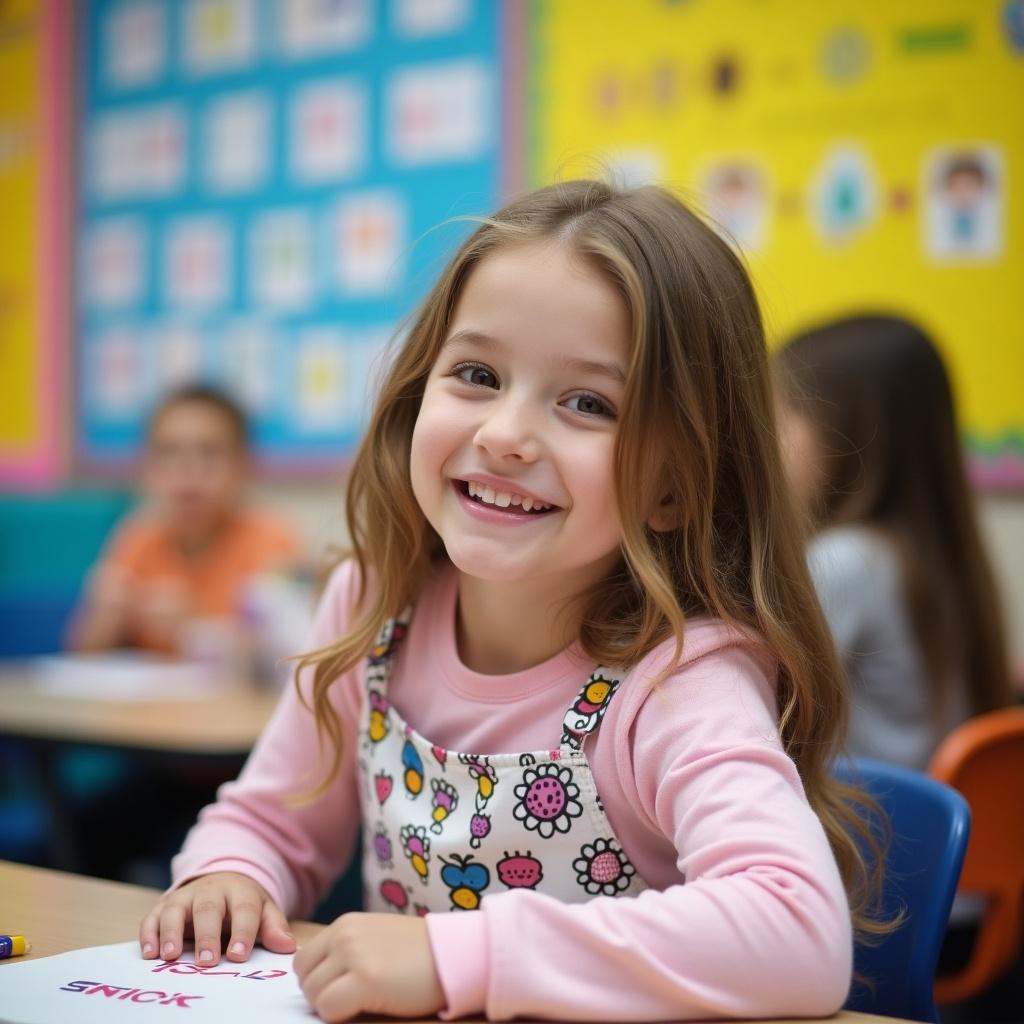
[{"x": 502, "y": 499}]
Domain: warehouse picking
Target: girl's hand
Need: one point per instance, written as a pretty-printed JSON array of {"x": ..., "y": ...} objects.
[
  {"x": 370, "y": 963},
  {"x": 206, "y": 906}
]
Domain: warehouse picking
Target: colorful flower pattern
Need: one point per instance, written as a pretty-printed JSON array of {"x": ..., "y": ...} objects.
[
  {"x": 483, "y": 801},
  {"x": 547, "y": 800}
]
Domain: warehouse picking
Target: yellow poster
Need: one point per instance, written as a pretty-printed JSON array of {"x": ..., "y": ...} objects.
[
  {"x": 866, "y": 156},
  {"x": 29, "y": 269}
]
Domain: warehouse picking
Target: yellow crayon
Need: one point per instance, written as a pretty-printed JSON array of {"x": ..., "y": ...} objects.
[{"x": 13, "y": 945}]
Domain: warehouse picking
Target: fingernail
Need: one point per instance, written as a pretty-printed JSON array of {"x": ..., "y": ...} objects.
[
  {"x": 147, "y": 949},
  {"x": 205, "y": 956},
  {"x": 238, "y": 949},
  {"x": 168, "y": 950}
]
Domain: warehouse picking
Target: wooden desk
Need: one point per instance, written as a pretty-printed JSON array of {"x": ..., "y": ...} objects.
[
  {"x": 227, "y": 722},
  {"x": 58, "y": 912}
]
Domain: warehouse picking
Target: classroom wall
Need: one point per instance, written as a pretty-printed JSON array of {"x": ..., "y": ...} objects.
[{"x": 319, "y": 514}]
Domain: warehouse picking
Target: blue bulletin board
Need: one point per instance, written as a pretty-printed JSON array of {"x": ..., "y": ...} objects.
[{"x": 258, "y": 181}]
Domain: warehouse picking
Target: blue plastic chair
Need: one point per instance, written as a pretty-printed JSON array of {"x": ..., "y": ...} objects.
[{"x": 930, "y": 824}]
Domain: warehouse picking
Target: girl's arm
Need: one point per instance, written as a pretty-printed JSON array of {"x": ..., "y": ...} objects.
[
  {"x": 761, "y": 927},
  {"x": 264, "y": 825}
]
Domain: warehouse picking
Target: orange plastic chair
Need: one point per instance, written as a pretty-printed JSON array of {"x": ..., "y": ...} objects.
[{"x": 984, "y": 760}]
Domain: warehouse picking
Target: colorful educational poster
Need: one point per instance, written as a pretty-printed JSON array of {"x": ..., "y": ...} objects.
[
  {"x": 869, "y": 157},
  {"x": 258, "y": 185},
  {"x": 33, "y": 93}
]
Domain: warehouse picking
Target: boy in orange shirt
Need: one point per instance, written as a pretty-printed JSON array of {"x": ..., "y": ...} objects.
[{"x": 186, "y": 558}]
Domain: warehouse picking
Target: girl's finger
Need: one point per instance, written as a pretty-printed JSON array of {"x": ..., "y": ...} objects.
[
  {"x": 208, "y": 911},
  {"x": 274, "y": 933},
  {"x": 149, "y": 934},
  {"x": 172, "y": 928},
  {"x": 312, "y": 952},
  {"x": 318, "y": 980},
  {"x": 245, "y": 923},
  {"x": 340, "y": 999}
]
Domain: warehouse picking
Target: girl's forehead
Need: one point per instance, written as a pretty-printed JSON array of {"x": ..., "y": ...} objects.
[{"x": 544, "y": 290}]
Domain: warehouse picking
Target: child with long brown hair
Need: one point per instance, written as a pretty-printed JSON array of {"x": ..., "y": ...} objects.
[
  {"x": 869, "y": 431},
  {"x": 574, "y": 677}
]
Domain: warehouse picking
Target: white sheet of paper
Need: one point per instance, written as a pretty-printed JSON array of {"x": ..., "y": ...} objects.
[
  {"x": 113, "y": 983},
  {"x": 121, "y": 677}
]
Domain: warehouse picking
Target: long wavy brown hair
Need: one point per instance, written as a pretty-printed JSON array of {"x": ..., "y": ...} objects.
[
  {"x": 876, "y": 392},
  {"x": 696, "y": 424}
]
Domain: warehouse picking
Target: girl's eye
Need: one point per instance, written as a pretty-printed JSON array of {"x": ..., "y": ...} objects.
[
  {"x": 471, "y": 373},
  {"x": 590, "y": 405}
]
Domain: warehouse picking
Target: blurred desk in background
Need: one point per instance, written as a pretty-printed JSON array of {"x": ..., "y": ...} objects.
[
  {"x": 224, "y": 720},
  {"x": 167, "y": 739}
]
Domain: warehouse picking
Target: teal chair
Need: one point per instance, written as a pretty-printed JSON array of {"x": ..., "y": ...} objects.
[{"x": 930, "y": 824}]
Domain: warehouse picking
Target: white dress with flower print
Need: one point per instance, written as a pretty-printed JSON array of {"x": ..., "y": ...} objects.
[{"x": 442, "y": 829}]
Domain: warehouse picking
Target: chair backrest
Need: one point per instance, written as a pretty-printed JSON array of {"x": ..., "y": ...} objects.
[
  {"x": 984, "y": 760},
  {"x": 928, "y": 828}
]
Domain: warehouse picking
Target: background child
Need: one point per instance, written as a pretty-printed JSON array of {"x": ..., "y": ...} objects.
[
  {"x": 574, "y": 658},
  {"x": 869, "y": 432},
  {"x": 186, "y": 558}
]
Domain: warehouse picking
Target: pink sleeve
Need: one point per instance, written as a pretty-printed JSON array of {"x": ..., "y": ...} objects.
[
  {"x": 294, "y": 849},
  {"x": 760, "y": 929}
]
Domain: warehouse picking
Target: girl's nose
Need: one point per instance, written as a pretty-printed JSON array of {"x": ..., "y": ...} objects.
[{"x": 508, "y": 431}]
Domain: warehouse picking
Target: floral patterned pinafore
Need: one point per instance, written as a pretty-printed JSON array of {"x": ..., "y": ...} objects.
[{"x": 444, "y": 829}]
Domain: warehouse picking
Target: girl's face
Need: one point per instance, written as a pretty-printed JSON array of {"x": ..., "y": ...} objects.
[
  {"x": 803, "y": 455},
  {"x": 512, "y": 452}
]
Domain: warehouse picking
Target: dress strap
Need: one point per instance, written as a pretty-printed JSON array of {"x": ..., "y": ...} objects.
[
  {"x": 587, "y": 710},
  {"x": 382, "y": 653}
]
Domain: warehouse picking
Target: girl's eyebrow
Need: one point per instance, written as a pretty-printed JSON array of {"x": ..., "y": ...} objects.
[{"x": 612, "y": 371}]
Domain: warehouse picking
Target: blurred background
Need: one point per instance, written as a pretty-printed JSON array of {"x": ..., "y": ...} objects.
[{"x": 247, "y": 193}]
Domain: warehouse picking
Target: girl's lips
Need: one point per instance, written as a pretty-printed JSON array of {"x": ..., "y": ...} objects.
[{"x": 511, "y": 516}]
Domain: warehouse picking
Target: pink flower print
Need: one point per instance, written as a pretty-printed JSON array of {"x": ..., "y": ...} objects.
[
  {"x": 382, "y": 847},
  {"x": 445, "y": 801},
  {"x": 416, "y": 846},
  {"x": 547, "y": 800},
  {"x": 603, "y": 868},
  {"x": 394, "y": 894},
  {"x": 383, "y": 783},
  {"x": 520, "y": 870},
  {"x": 479, "y": 828},
  {"x": 440, "y": 756}
]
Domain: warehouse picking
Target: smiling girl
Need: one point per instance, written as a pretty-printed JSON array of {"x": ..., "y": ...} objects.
[{"x": 573, "y": 682}]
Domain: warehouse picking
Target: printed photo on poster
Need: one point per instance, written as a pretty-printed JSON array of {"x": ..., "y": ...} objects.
[
  {"x": 328, "y": 131},
  {"x": 439, "y": 112},
  {"x": 320, "y": 406},
  {"x": 236, "y": 134},
  {"x": 220, "y": 35},
  {"x": 963, "y": 214},
  {"x": 196, "y": 267},
  {"x": 136, "y": 44},
  {"x": 281, "y": 259},
  {"x": 736, "y": 197},
  {"x": 113, "y": 265},
  {"x": 369, "y": 242},
  {"x": 310, "y": 28},
  {"x": 844, "y": 196}
]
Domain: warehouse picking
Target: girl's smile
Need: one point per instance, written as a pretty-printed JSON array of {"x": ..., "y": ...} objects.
[{"x": 518, "y": 422}]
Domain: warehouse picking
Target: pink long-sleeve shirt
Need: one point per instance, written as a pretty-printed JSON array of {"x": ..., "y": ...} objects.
[{"x": 746, "y": 915}]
